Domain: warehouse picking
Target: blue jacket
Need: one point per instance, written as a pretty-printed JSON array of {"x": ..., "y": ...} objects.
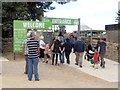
[
  {"x": 68, "y": 47},
  {"x": 79, "y": 46}
]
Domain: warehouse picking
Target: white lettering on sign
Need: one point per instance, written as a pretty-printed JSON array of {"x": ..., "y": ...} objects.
[
  {"x": 33, "y": 25},
  {"x": 59, "y": 21}
]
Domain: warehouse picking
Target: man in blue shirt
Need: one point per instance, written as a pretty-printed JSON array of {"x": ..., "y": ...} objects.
[{"x": 79, "y": 49}]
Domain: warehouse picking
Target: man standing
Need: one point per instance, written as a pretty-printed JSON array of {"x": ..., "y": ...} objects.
[
  {"x": 33, "y": 46},
  {"x": 102, "y": 51},
  {"x": 79, "y": 48}
]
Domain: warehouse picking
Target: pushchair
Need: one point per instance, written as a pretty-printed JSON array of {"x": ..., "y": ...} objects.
[{"x": 89, "y": 53}]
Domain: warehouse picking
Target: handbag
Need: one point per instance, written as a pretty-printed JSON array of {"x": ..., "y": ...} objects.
[
  {"x": 38, "y": 50},
  {"x": 52, "y": 47}
]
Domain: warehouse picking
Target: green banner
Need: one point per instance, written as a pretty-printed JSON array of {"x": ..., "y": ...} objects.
[
  {"x": 20, "y": 31},
  {"x": 32, "y": 25},
  {"x": 61, "y": 21}
]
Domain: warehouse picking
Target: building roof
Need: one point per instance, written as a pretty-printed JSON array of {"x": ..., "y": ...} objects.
[{"x": 93, "y": 30}]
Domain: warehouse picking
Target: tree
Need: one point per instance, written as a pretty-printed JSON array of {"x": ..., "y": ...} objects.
[
  {"x": 21, "y": 11},
  {"x": 118, "y": 18}
]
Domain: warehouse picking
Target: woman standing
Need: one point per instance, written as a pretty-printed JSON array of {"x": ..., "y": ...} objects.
[
  {"x": 42, "y": 48},
  {"x": 55, "y": 50}
]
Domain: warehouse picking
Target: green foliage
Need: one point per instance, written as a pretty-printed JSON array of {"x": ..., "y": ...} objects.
[{"x": 21, "y": 11}]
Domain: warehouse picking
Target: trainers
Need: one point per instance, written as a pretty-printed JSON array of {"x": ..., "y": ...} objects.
[
  {"x": 80, "y": 66},
  {"x": 29, "y": 79},
  {"x": 76, "y": 63},
  {"x": 37, "y": 80},
  {"x": 103, "y": 66},
  {"x": 25, "y": 73},
  {"x": 46, "y": 61}
]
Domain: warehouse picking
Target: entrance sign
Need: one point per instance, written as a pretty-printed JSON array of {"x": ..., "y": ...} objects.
[
  {"x": 20, "y": 31},
  {"x": 32, "y": 25},
  {"x": 61, "y": 21}
]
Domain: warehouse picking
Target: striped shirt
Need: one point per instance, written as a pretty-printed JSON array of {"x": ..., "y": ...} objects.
[{"x": 32, "y": 48}]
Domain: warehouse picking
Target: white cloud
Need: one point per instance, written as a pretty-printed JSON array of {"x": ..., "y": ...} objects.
[{"x": 94, "y": 13}]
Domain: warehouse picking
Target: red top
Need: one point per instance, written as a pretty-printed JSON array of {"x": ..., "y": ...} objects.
[{"x": 96, "y": 56}]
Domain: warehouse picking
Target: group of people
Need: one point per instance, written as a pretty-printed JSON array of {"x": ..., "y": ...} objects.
[
  {"x": 96, "y": 55},
  {"x": 60, "y": 49}
]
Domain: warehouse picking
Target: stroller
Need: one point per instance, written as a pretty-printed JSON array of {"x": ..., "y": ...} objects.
[{"x": 89, "y": 53}]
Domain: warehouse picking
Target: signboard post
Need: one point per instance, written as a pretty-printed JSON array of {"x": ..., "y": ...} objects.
[
  {"x": 21, "y": 26},
  {"x": 78, "y": 27}
]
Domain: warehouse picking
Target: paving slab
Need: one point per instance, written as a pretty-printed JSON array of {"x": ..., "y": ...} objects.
[{"x": 109, "y": 73}]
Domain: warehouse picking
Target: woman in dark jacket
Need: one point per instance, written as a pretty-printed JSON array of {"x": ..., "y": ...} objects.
[{"x": 55, "y": 51}]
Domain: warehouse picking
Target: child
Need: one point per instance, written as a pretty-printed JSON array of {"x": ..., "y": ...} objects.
[
  {"x": 46, "y": 52},
  {"x": 96, "y": 60}
]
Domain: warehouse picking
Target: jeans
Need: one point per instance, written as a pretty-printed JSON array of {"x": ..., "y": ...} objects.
[
  {"x": 61, "y": 58},
  {"x": 33, "y": 62}
]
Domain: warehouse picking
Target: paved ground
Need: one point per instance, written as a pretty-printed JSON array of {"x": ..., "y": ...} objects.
[
  {"x": 110, "y": 73},
  {"x": 63, "y": 76}
]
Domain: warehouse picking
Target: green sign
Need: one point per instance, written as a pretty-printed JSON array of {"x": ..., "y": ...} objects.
[
  {"x": 32, "y": 25},
  {"x": 20, "y": 31},
  {"x": 61, "y": 21},
  {"x": 19, "y": 36}
]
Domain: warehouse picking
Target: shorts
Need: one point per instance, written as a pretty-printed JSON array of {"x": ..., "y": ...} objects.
[
  {"x": 42, "y": 53},
  {"x": 47, "y": 55}
]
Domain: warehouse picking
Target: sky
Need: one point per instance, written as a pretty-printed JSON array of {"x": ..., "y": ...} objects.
[{"x": 93, "y": 13}]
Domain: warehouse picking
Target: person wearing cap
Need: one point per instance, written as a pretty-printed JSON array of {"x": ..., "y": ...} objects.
[
  {"x": 33, "y": 46},
  {"x": 42, "y": 48},
  {"x": 79, "y": 49}
]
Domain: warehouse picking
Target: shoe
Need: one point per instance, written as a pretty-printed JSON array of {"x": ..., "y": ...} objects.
[
  {"x": 76, "y": 63},
  {"x": 29, "y": 79},
  {"x": 68, "y": 62},
  {"x": 37, "y": 80},
  {"x": 52, "y": 64},
  {"x": 88, "y": 60},
  {"x": 103, "y": 66},
  {"x": 46, "y": 61},
  {"x": 80, "y": 66},
  {"x": 25, "y": 73}
]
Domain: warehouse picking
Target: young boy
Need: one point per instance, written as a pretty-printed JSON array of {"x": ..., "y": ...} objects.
[{"x": 96, "y": 60}]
